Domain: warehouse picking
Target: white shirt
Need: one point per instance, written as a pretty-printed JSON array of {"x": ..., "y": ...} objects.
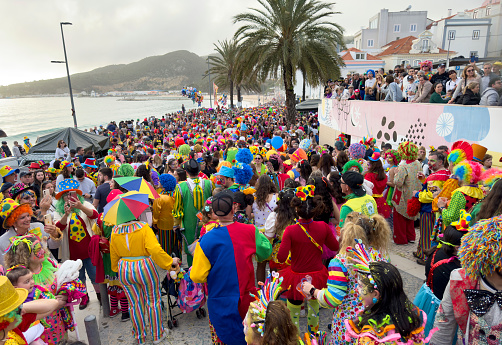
[
  {"x": 451, "y": 85},
  {"x": 62, "y": 153},
  {"x": 369, "y": 83}
]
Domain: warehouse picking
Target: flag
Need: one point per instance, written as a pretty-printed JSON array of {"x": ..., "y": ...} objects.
[{"x": 215, "y": 87}]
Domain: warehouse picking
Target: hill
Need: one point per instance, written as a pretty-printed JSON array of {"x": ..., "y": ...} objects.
[{"x": 171, "y": 71}]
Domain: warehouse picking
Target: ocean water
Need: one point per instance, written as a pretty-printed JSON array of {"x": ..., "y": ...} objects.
[{"x": 32, "y": 117}]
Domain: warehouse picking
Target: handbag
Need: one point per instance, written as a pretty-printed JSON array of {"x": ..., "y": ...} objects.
[{"x": 104, "y": 245}]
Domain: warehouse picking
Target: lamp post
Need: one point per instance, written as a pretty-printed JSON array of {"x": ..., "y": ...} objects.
[
  {"x": 210, "y": 91},
  {"x": 68, "y": 73}
]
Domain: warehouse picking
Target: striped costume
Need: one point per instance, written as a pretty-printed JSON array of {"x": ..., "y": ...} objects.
[
  {"x": 341, "y": 294},
  {"x": 133, "y": 251}
]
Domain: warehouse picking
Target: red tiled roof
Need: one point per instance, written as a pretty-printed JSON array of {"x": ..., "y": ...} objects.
[
  {"x": 401, "y": 46},
  {"x": 348, "y": 57},
  {"x": 437, "y": 21}
]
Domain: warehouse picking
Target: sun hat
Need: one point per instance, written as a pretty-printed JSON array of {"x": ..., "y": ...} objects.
[
  {"x": 8, "y": 206},
  {"x": 90, "y": 163},
  {"x": 7, "y": 170},
  {"x": 68, "y": 185},
  {"x": 34, "y": 165},
  {"x": 11, "y": 297},
  {"x": 355, "y": 181},
  {"x": 226, "y": 171},
  {"x": 53, "y": 170}
]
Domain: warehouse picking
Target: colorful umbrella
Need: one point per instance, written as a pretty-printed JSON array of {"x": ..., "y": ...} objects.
[
  {"x": 138, "y": 184},
  {"x": 125, "y": 207}
]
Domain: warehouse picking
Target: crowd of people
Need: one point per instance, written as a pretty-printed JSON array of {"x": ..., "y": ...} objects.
[
  {"x": 276, "y": 226},
  {"x": 474, "y": 86}
]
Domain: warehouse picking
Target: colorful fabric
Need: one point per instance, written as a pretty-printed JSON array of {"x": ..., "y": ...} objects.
[
  {"x": 427, "y": 221},
  {"x": 198, "y": 195},
  {"x": 77, "y": 232},
  {"x": 223, "y": 259},
  {"x": 141, "y": 283},
  {"x": 459, "y": 201},
  {"x": 365, "y": 204},
  {"x": 448, "y": 188},
  {"x": 406, "y": 182}
]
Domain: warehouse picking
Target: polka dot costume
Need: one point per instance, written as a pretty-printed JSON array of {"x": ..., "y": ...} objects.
[{"x": 77, "y": 231}]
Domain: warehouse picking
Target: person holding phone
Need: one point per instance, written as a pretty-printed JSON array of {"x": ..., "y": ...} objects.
[{"x": 62, "y": 151}]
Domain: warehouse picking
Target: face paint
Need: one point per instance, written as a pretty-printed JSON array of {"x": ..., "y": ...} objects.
[
  {"x": 365, "y": 294},
  {"x": 38, "y": 251}
]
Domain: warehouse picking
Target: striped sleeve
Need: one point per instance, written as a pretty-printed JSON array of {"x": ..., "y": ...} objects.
[
  {"x": 178, "y": 203},
  {"x": 334, "y": 294}
]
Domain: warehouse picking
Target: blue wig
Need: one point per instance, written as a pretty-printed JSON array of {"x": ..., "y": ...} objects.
[
  {"x": 372, "y": 72},
  {"x": 242, "y": 173},
  {"x": 244, "y": 156},
  {"x": 168, "y": 182}
]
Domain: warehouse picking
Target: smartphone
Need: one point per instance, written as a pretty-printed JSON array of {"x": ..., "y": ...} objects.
[
  {"x": 46, "y": 192},
  {"x": 47, "y": 219}
]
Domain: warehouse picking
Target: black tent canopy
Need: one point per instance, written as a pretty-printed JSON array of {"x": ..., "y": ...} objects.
[
  {"x": 308, "y": 105},
  {"x": 73, "y": 138}
]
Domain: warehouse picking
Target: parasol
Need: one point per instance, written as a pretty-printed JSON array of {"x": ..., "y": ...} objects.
[
  {"x": 134, "y": 183},
  {"x": 125, "y": 207}
]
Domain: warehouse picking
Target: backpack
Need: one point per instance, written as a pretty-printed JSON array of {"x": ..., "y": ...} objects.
[{"x": 191, "y": 295}]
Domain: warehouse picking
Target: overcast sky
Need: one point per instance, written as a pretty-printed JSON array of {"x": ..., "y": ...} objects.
[{"x": 109, "y": 32}]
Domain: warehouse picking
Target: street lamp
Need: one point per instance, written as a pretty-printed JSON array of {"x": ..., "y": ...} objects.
[{"x": 68, "y": 73}]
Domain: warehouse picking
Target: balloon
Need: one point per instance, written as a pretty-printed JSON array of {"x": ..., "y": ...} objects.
[
  {"x": 277, "y": 142},
  {"x": 305, "y": 144},
  {"x": 269, "y": 141}
]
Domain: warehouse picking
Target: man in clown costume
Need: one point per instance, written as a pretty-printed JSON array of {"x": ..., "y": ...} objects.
[
  {"x": 223, "y": 259},
  {"x": 189, "y": 198}
]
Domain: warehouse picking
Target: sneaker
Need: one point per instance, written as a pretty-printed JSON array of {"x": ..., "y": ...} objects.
[
  {"x": 114, "y": 312},
  {"x": 84, "y": 302},
  {"x": 125, "y": 317},
  {"x": 161, "y": 338}
]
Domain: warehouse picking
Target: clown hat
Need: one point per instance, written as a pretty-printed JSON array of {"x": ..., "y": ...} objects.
[
  {"x": 8, "y": 206},
  {"x": 90, "y": 163},
  {"x": 18, "y": 188},
  {"x": 34, "y": 165},
  {"x": 68, "y": 185},
  {"x": 11, "y": 297},
  {"x": 7, "y": 170},
  {"x": 298, "y": 155},
  {"x": 65, "y": 164},
  {"x": 375, "y": 156},
  {"x": 479, "y": 152}
]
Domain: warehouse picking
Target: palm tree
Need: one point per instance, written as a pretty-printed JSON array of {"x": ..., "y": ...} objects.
[
  {"x": 224, "y": 66},
  {"x": 286, "y": 35}
]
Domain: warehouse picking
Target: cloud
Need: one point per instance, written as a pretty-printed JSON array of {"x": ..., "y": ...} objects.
[{"x": 115, "y": 32}]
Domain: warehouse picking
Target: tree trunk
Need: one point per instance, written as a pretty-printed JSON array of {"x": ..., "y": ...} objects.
[
  {"x": 290, "y": 93},
  {"x": 239, "y": 96},
  {"x": 231, "y": 94},
  {"x": 303, "y": 87}
]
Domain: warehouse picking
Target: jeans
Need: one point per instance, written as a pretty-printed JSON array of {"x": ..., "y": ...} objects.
[{"x": 90, "y": 268}]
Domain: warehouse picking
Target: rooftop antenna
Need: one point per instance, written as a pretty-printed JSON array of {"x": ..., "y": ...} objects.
[{"x": 408, "y": 8}]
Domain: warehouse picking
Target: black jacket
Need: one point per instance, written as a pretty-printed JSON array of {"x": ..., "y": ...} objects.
[
  {"x": 471, "y": 98},
  {"x": 7, "y": 151}
]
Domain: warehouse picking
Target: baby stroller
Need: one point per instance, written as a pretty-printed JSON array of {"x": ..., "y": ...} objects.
[{"x": 189, "y": 296}]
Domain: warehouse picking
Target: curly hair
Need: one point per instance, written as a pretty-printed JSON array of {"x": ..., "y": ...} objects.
[
  {"x": 264, "y": 188},
  {"x": 18, "y": 211},
  {"x": 334, "y": 178},
  {"x": 21, "y": 254},
  {"x": 324, "y": 189},
  {"x": 285, "y": 213},
  {"x": 143, "y": 171},
  {"x": 373, "y": 231}
]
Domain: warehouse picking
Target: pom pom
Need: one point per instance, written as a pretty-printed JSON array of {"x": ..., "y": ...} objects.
[
  {"x": 243, "y": 174},
  {"x": 413, "y": 207},
  {"x": 244, "y": 156},
  {"x": 168, "y": 182}
]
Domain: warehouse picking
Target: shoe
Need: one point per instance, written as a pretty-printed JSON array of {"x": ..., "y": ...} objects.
[
  {"x": 114, "y": 312},
  {"x": 84, "y": 302},
  {"x": 411, "y": 241},
  {"x": 161, "y": 338},
  {"x": 421, "y": 262},
  {"x": 415, "y": 255},
  {"x": 125, "y": 317}
]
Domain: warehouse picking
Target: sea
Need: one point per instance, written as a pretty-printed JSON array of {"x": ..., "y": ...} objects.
[{"x": 33, "y": 117}]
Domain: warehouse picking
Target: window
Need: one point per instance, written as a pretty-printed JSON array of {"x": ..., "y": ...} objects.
[
  {"x": 371, "y": 43},
  {"x": 413, "y": 28},
  {"x": 374, "y": 23},
  {"x": 475, "y": 34},
  {"x": 475, "y": 14},
  {"x": 416, "y": 62},
  {"x": 397, "y": 27},
  {"x": 360, "y": 56},
  {"x": 451, "y": 34},
  {"x": 425, "y": 45},
  {"x": 488, "y": 9}
]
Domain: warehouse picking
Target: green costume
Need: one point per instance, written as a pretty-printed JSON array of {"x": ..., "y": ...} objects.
[{"x": 185, "y": 200}]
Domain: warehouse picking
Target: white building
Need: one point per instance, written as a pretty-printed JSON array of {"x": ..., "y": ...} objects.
[
  {"x": 412, "y": 50},
  {"x": 386, "y": 27},
  {"x": 358, "y": 61},
  {"x": 463, "y": 34},
  {"x": 491, "y": 9}
]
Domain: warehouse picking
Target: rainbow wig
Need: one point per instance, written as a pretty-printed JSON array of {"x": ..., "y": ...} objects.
[
  {"x": 468, "y": 172},
  {"x": 395, "y": 156},
  {"x": 408, "y": 150},
  {"x": 456, "y": 156},
  {"x": 481, "y": 250},
  {"x": 109, "y": 160},
  {"x": 357, "y": 151},
  {"x": 490, "y": 176}
]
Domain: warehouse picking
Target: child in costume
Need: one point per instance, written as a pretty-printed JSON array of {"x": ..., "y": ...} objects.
[
  {"x": 377, "y": 176},
  {"x": 209, "y": 219},
  {"x": 162, "y": 212},
  {"x": 470, "y": 307},
  {"x": 304, "y": 241},
  {"x": 12, "y": 323},
  {"x": 341, "y": 293},
  {"x": 267, "y": 320},
  {"x": 388, "y": 316},
  {"x": 29, "y": 252},
  {"x": 464, "y": 197}
]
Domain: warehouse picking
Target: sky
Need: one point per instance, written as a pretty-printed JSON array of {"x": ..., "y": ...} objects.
[{"x": 107, "y": 32}]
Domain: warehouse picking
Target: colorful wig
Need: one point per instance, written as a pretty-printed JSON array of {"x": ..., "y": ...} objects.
[
  {"x": 408, "y": 150},
  {"x": 395, "y": 156},
  {"x": 490, "y": 176},
  {"x": 351, "y": 164},
  {"x": 357, "y": 151},
  {"x": 468, "y": 172},
  {"x": 244, "y": 156}
]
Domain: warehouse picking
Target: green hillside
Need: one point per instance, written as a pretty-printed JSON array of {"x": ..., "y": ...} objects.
[{"x": 171, "y": 71}]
